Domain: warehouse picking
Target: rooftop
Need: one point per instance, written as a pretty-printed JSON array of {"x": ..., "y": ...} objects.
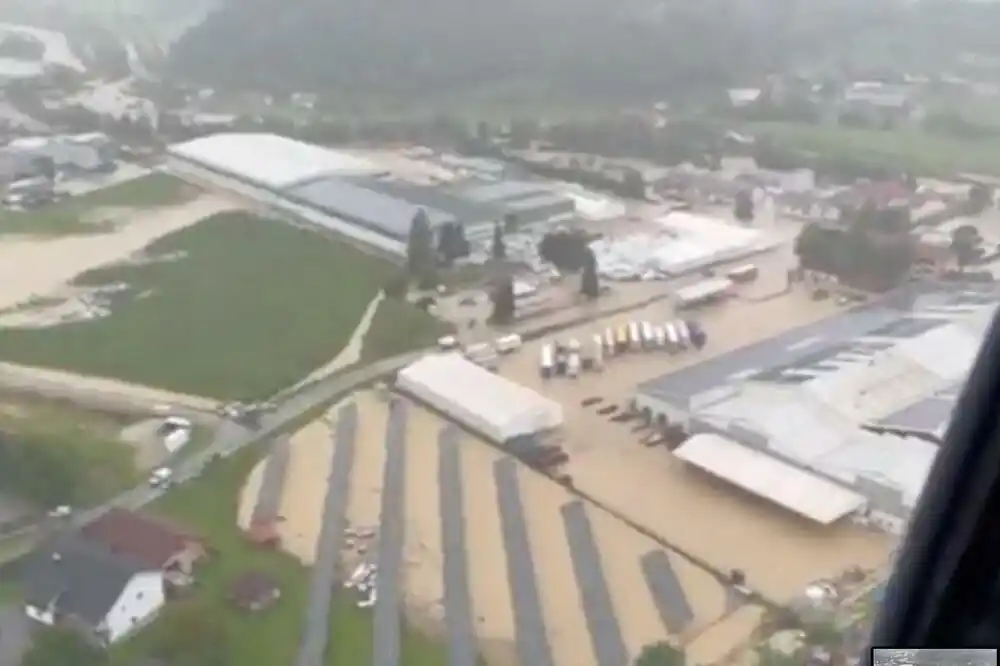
[
  {"x": 80, "y": 577},
  {"x": 269, "y": 160},
  {"x": 150, "y": 541},
  {"x": 880, "y": 366}
]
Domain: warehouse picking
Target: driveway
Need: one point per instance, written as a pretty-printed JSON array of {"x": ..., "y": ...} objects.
[{"x": 15, "y": 635}]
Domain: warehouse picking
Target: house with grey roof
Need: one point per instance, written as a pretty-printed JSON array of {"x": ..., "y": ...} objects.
[{"x": 84, "y": 584}]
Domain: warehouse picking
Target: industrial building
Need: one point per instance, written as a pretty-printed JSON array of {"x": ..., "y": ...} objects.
[
  {"x": 474, "y": 397},
  {"x": 23, "y": 157},
  {"x": 859, "y": 400},
  {"x": 352, "y": 191}
]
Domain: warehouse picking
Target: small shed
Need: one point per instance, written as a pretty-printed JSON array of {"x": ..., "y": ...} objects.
[{"x": 254, "y": 591}]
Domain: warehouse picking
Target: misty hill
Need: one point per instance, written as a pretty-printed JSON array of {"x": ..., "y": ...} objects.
[{"x": 582, "y": 48}]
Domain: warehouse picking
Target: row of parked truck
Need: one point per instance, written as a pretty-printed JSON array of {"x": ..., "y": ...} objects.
[{"x": 573, "y": 357}]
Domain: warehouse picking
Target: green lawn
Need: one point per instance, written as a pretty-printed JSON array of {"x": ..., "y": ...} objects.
[
  {"x": 208, "y": 505},
  {"x": 250, "y": 307},
  {"x": 62, "y": 453},
  {"x": 907, "y": 150},
  {"x": 65, "y": 216}
]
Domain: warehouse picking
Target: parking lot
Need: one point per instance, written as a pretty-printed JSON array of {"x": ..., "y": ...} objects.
[{"x": 779, "y": 553}]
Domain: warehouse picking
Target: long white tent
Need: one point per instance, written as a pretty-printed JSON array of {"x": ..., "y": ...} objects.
[
  {"x": 810, "y": 496},
  {"x": 477, "y": 398}
]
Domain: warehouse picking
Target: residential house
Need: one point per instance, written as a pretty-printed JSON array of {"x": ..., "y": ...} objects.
[
  {"x": 155, "y": 543},
  {"x": 72, "y": 581}
]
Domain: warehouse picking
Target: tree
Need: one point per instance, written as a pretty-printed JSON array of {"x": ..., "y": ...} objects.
[
  {"x": 743, "y": 208},
  {"x": 589, "y": 283},
  {"x": 634, "y": 184},
  {"x": 191, "y": 632},
  {"x": 661, "y": 654},
  {"x": 511, "y": 224},
  {"x": 965, "y": 242},
  {"x": 397, "y": 284},
  {"x": 452, "y": 243},
  {"x": 503, "y": 302},
  {"x": 980, "y": 198},
  {"x": 420, "y": 261},
  {"x": 499, "y": 250},
  {"x": 59, "y": 647}
]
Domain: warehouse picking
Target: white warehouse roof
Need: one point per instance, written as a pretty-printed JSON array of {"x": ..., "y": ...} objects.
[
  {"x": 270, "y": 160},
  {"x": 808, "y": 495},
  {"x": 477, "y": 398}
]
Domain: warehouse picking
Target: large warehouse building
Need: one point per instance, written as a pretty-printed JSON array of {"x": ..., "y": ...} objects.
[
  {"x": 478, "y": 399},
  {"x": 859, "y": 400},
  {"x": 351, "y": 191}
]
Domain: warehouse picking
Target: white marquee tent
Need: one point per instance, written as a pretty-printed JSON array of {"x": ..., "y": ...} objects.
[{"x": 477, "y": 398}]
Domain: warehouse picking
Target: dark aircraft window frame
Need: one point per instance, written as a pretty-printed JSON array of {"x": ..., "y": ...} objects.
[{"x": 945, "y": 589}]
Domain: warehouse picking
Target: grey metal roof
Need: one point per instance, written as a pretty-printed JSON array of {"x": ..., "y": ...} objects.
[
  {"x": 541, "y": 201},
  {"x": 367, "y": 207},
  {"x": 82, "y": 578},
  {"x": 931, "y": 415},
  {"x": 504, "y": 190},
  {"x": 810, "y": 350},
  {"x": 434, "y": 197}
]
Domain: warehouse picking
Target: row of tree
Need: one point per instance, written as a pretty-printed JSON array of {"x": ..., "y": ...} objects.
[
  {"x": 570, "y": 253},
  {"x": 872, "y": 249}
]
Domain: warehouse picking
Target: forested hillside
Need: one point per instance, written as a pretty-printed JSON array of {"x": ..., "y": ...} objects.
[{"x": 624, "y": 48}]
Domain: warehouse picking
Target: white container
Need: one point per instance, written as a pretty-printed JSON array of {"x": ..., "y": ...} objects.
[
  {"x": 609, "y": 341},
  {"x": 683, "y": 333},
  {"x": 547, "y": 361},
  {"x": 673, "y": 339},
  {"x": 508, "y": 344},
  {"x": 646, "y": 330},
  {"x": 573, "y": 365},
  {"x": 573, "y": 345},
  {"x": 634, "y": 336},
  {"x": 447, "y": 343},
  {"x": 661, "y": 337}
]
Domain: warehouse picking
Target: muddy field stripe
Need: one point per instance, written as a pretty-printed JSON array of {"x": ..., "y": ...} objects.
[
  {"x": 312, "y": 649},
  {"x": 272, "y": 483},
  {"x": 532, "y": 640},
  {"x": 457, "y": 600},
  {"x": 605, "y": 632},
  {"x": 386, "y": 633},
  {"x": 667, "y": 591}
]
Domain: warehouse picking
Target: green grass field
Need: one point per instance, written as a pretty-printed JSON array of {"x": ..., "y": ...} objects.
[
  {"x": 905, "y": 150},
  {"x": 65, "y": 217},
  {"x": 208, "y": 505},
  {"x": 252, "y": 306}
]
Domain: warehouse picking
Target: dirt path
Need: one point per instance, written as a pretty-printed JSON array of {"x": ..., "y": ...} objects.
[
  {"x": 424, "y": 577},
  {"x": 304, "y": 493},
  {"x": 364, "y": 501},
  {"x": 80, "y": 388},
  {"x": 488, "y": 585},
  {"x": 351, "y": 353}
]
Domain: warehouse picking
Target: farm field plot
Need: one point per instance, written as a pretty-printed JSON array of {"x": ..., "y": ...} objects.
[
  {"x": 479, "y": 529},
  {"x": 233, "y": 307},
  {"x": 74, "y": 215}
]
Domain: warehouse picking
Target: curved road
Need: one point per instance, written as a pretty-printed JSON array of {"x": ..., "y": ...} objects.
[{"x": 231, "y": 437}]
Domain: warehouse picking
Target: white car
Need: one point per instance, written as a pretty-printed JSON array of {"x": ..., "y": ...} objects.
[
  {"x": 61, "y": 511},
  {"x": 161, "y": 477}
]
